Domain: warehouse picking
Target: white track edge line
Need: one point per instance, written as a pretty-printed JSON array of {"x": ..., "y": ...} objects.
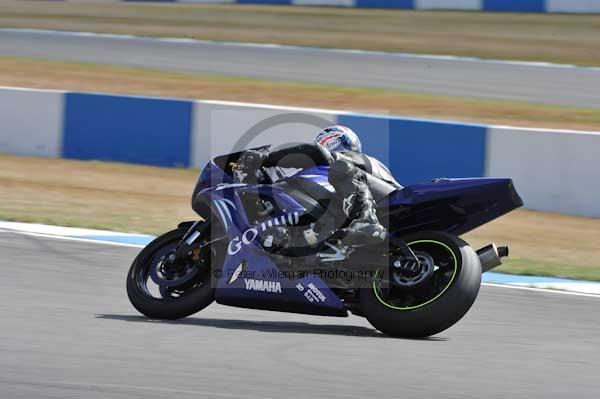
[
  {"x": 545, "y": 290},
  {"x": 68, "y": 238}
]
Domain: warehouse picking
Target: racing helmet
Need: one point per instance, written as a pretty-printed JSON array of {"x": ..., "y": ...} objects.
[{"x": 339, "y": 138}]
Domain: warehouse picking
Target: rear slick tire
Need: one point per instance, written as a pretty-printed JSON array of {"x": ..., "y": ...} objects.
[{"x": 440, "y": 312}]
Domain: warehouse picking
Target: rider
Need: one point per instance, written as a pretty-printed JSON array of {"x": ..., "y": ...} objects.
[{"x": 340, "y": 148}]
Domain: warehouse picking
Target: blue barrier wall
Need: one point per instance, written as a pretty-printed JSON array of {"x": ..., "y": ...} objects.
[
  {"x": 402, "y": 4},
  {"x": 127, "y": 129},
  {"x": 515, "y": 5},
  {"x": 420, "y": 150},
  {"x": 573, "y": 6}
]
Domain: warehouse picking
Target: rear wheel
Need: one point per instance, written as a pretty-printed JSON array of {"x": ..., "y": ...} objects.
[
  {"x": 161, "y": 291},
  {"x": 421, "y": 301}
]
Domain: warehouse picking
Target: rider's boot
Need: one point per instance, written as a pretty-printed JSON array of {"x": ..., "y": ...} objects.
[{"x": 350, "y": 182}]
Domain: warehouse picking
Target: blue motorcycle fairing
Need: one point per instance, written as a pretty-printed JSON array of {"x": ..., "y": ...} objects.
[
  {"x": 456, "y": 206},
  {"x": 248, "y": 277},
  {"x": 318, "y": 174}
]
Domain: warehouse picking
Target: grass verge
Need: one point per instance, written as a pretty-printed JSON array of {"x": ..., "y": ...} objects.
[
  {"x": 152, "y": 200},
  {"x": 88, "y": 77},
  {"x": 536, "y": 37}
]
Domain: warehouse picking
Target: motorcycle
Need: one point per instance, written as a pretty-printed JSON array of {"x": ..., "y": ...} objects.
[{"x": 245, "y": 251}]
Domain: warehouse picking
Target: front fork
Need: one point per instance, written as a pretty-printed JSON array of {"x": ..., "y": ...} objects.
[
  {"x": 185, "y": 244},
  {"x": 188, "y": 242}
]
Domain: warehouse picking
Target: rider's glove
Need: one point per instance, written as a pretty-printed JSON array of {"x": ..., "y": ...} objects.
[
  {"x": 252, "y": 159},
  {"x": 249, "y": 164}
]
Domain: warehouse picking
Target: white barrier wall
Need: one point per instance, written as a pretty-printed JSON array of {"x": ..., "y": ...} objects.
[
  {"x": 555, "y": 171},
  {"x": 31, "y": 122},
  {"x": 449, "y": 4},
  {"x": 220, "y": 127},
  {"x": 91, "y": 1},
  {"x": 336, "y": 3},
  {"x": 582, "y": 6}
]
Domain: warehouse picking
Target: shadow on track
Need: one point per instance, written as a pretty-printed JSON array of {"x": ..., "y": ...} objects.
[{"x": 264, "y": 326}]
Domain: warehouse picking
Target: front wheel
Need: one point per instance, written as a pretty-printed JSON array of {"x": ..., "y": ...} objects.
[
  {"x": 175, "y": 292},
  {"x": 420, "y": 303}
]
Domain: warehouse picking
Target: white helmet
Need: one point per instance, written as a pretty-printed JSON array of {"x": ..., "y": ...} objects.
[{"x": 339, "y": 138}]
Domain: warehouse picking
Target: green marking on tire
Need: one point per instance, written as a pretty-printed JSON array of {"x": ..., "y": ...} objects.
[{"x": 432, "y": 299}]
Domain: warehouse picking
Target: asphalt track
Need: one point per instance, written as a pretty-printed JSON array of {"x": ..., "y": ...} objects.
[
  {"x": 68, "y": 331},
  {"x": 538, "y": 83}
]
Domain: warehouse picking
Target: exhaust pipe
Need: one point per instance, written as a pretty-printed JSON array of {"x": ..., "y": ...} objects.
[{"x": 491, "y": 256}]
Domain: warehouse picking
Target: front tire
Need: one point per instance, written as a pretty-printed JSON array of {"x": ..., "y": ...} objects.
[
  {"x": 165, "y": 302},
  {"x": 427, "y": 310}
]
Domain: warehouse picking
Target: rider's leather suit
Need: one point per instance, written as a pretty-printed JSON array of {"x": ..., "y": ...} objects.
[{"x": 354, "y": 177}]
